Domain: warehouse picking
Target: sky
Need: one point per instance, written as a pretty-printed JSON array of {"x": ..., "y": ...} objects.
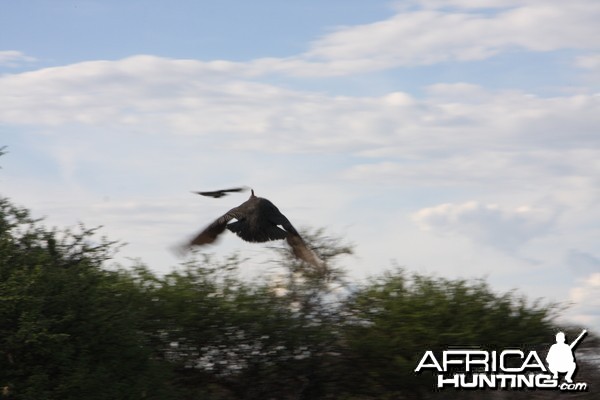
[{"x": 455, "y": 138}]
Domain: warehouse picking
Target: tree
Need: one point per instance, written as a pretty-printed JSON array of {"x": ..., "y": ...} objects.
[
  {"x": 68, "y": 328},
  {"x": 397, "y": 317},
  {"x": 232, "y": 339}
]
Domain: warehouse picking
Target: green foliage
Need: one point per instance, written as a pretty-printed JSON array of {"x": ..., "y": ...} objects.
[
  {"x": 227, "y": 338},
  {"x": 398, "y": 317},
  {"x": 67, "y": 327}
]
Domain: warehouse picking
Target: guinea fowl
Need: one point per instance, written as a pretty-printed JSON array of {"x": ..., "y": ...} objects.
[{"x": 258, "y": 220}]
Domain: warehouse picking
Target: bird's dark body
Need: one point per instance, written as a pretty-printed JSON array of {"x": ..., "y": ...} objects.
[{"x": 258, "y": 220}]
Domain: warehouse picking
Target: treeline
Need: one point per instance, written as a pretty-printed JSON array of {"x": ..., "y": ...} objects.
[{"x": 73, "y": 328}]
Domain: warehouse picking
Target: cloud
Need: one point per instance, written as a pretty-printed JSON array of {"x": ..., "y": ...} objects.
[
  {"x": 471, "y": 4},
  {"x": 589, "y": 61},
  {"x": 196, "y": 117},
  {"x": 425, "y": 32},
  {"x": 149, "y": 94},
  {"x": 13, "y": 58},
  {"x": 570, "y": 175},
  {"x": 586, "y": 297},
  {"x": 432, "y": 33},
  {"x": 582, "y": 263},
  {"x": 506, "y": 229},
  {"x": 590, "y": 64}
]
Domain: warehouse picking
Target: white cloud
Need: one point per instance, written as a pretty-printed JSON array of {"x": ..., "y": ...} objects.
[
  {"x": 425, "y": 33},
  {"x": 472, "y": 4},
  {"x": 13, "y": 58},
  {"x": 433, "y": 34},
  {"x": 589, "y": 61},
  {"x": 569, "y": 176},
  {"x": 586, "y": 299},
  {"x": 153, "y": 95},
  {"x": 506, "y": 229},
  {"x": 197, "y": 119}
]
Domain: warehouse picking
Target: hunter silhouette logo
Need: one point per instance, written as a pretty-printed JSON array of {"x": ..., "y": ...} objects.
[
  {"x": 560, "y": 357},
  {"x": 506, "y": 369}
]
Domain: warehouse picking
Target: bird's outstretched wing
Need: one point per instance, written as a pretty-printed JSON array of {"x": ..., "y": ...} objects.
[
  {"x": 299, "y": 247},
  {"x": 302, "y": 251},
  {"x": 223, "y": 192},
  {"x": 210, "y": 233}
]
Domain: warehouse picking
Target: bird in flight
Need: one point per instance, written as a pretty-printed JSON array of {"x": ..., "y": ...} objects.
[
  {"x": 257, "y": 220},
  {"x": 220, "y": 193}
]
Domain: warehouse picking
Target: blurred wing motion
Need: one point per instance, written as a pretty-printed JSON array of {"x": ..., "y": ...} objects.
[
  {"x": 220, "y": 193},
  {"x": 302, "y": 252},
  {"x": 257, "y": 220},
  {"x": 209, "y": 235}
]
